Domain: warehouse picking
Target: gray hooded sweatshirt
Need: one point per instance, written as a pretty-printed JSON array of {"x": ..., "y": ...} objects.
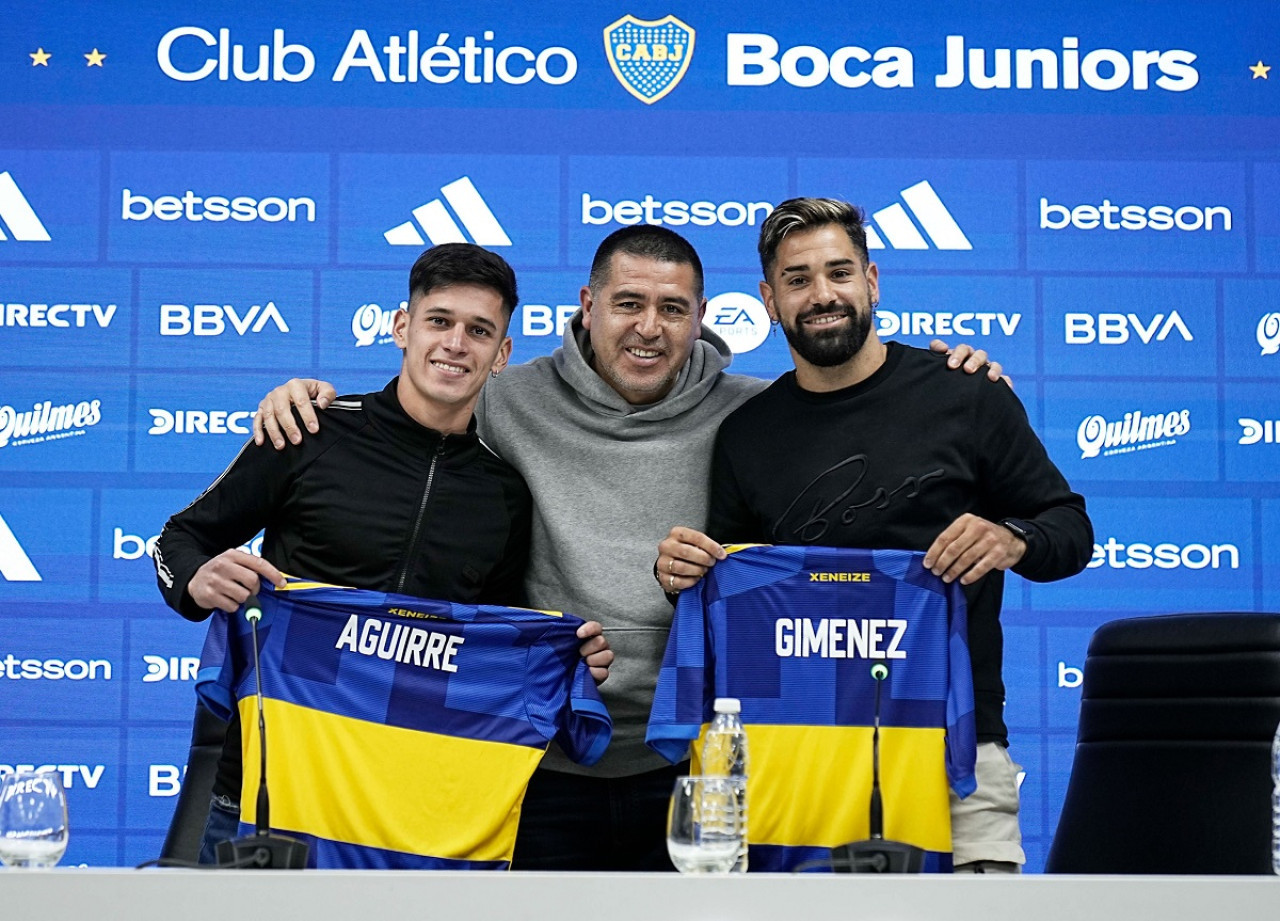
[{"x": 609, "y": 480}]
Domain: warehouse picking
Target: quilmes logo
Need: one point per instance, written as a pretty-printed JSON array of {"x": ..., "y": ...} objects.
[
  {"x": 739, "y": 319},
  {"x": 47, "y": 422},
  {"x": 438, "y": 224},
  {"x": 900, "y": 232},
  {"x": 1254, "y": 431},
  {"x": 649, "y": 56},
  {"x": 1269, "y": 333},
  {"x": 200, "y": 422},
  {"x": 1109, "y": 216},
  {"x": 1135, "y": 432},
  {"x": 15, "y": 565},
  {"x": 17, "y": 215},
  {"x": 1115, "y": 328},
  {"x": 372, "y": 323},
  {"x": 212, "y": 319}
]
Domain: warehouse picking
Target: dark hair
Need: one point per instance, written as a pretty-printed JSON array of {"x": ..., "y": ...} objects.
[
  {"x": 463, "y": 264},
  {"x": 650, "y": 242},
  {"x": 806, "y": 214}
]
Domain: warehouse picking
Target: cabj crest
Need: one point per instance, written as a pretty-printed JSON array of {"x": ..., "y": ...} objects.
[{"x": 649, "y": 57}]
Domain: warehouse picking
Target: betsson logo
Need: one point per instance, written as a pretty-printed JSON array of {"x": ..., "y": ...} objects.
[
  {"x": 1135, "y": 432},
  {"x": 1269, "y": 333},
  {"x": 1114, "y": 328},
  {"x": 1115, "y": 555},
  {"x": 133, "y": 547},
  {"x": 47, "y": 422},
  {"x": 15, "y": 669},
  {"x": 753, "y": 60},
  {"x": 216, "y": 208},
  {"x": 1134, "y": 217}
]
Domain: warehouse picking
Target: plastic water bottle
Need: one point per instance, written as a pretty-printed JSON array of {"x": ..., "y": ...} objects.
[
  {"x": 724, "y": 754},
  {"x": 1275, "y": 802}
]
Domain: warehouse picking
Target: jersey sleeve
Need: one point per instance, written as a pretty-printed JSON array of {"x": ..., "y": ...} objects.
[
  {"x": 562, "y": 698},
  {"x": 685, "y": 693},
  {"x": 215, "y": 680},
  {"x": 962, "y": 736},
  {"x": 585, "y": 727}
]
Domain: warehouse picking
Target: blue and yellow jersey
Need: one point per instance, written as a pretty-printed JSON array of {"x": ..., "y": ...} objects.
[
  {"x": 402, "y": 732},
  {"x": 793, "y": 632}
]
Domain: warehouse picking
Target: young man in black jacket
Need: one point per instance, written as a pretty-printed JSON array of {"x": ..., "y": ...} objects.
[{"x": 396, "y": 494}]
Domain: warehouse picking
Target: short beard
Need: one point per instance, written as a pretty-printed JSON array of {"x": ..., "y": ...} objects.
[{"x": 828, "y": 349}]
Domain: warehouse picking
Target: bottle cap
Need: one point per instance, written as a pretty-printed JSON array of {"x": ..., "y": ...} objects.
[{"x": 728, "y": 705}]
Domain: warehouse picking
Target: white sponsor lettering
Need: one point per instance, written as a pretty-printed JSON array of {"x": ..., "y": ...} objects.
[
  {"x": 753, "y": 61},
  {"x": 1253, "y": 431},
  {"x": 1069, "y": 676},
  {"x": 58, "y": 316},
  {"x": 401, "y": 642},
  {"x": 173, "y": 668},
  {"x": 1135, "y": 432},
  {"x": 839, "y": 638},
  {"x": 1116, "y": 555},
  {"x": 46, "y": 422},
  {"x": 408, "y": 61},
  {"x": 215, "y": 208},
  {"x": 208, "y": 319},
  {"x": 371, "y": 323},
  {"x": 164, "y": 780},
  {"x": 275, "y": 62},
  {"x": 87, "y": 775},
  {"x": 650, "y": 210},
  {"x": 1104, "y": 69},
  {"x": 133, "y": 547},
  {"x": 1269, "y": 333},
  {"x": 15, "y": 565},
  {"x": 200, "y": 422},
  {"x": 543, "y": 319},
  {"x": 1107, "y": 216},
  {"x": 940, "y": 323},
  {"x": 1113, "y": 328},
  {"x": 16, "y": 669}
]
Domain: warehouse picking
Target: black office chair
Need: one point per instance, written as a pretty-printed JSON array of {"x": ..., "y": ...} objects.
[
  {"x": 1172, "y": 769},
  {"x": 191, "y": 811}
]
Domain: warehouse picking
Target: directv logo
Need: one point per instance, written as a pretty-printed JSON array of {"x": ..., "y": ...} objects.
[
  {"x": 17, "y": 214},
  {"x": 897, "y": 227},
  {"x": 439, "y": 225}
]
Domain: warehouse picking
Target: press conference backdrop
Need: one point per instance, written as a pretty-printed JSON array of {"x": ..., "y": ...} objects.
[{"x": 197, "y": 202}]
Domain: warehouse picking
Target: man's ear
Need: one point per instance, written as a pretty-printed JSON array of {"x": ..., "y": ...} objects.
[
  {"x": 766, "y": 295},
  {"x": 587, "y": 302}
]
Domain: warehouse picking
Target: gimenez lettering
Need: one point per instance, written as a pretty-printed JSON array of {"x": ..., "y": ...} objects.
[{"x": 839, "y": 637}]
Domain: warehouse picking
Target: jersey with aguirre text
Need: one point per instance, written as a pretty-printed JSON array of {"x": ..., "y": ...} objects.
[{"x": 401, "y": 732}]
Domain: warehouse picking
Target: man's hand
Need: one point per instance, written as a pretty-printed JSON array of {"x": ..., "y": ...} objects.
[
  {"x": 684, "y": 556},
  {"x": 972, "y": 360},
  {"x": 595, "y": 650},
  {"x": 227, "y": 580},
  {"x": 971, "y": 547},
  {"x": 275, "y": 417}
]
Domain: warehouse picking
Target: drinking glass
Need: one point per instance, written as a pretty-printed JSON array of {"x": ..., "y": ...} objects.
[
  {"x": 704, "y": 825},
  {"x": 33, "y": 819}
]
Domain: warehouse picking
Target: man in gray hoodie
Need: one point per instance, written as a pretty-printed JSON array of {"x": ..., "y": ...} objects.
[{"x": 613, "y": 433}]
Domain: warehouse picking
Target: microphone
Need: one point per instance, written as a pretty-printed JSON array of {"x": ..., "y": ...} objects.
[
  {"x": 877, "y": 854},
  {"x": 262, "y": 850}
]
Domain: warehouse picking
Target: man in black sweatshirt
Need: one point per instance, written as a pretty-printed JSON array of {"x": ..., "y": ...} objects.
[{"x": 873, "y": 444}]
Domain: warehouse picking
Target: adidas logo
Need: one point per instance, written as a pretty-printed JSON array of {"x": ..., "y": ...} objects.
[
  {"x": 901, "y": 232},
  {"x": 17, "y": 214},
  {"x": 15, "y": 565},
  {"x": 439, "y": 225}
]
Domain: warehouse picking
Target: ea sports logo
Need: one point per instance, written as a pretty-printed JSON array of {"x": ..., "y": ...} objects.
[{"x": 739, "y": 319}]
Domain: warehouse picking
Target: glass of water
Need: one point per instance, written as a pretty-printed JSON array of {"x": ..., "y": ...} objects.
[
  {"x": 33, "y": 819},
  {"x": 704, "y": 825}
]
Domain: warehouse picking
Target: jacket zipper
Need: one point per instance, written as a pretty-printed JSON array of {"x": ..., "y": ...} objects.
[{"x": 422, "y": 508}]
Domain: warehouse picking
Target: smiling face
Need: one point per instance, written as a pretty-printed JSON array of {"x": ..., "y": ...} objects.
[
  {"x": 823, "y": 295},
  {"x": 453, "y": 337},
  {"x": 643, "y": 319}
]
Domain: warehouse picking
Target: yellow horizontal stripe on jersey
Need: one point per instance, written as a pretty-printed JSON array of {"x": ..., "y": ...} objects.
[
  {"x": 811, "y": 785},
  {"x": 383, "y": 786}
]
